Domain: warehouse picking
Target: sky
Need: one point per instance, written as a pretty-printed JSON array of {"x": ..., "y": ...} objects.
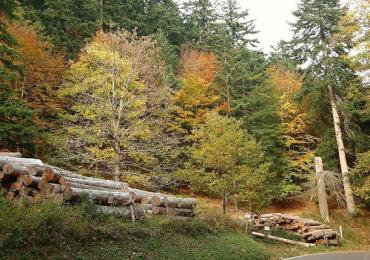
[{"x": 272, "y": 17}]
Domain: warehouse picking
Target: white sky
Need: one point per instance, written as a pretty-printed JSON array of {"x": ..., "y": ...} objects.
[{"x": 272, "y": 17}]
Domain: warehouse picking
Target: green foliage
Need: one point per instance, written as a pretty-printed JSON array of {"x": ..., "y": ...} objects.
[
  {"x": 69, "y": 23},
  {"x": 56, "y": 230},
  {"x": 199, "y": 18},
  {"x": 226, "y": 161},
  {"x": 360, "y": 177},
  {"x": 237, "y": 24},
  {"x": 169, "y": 54}
]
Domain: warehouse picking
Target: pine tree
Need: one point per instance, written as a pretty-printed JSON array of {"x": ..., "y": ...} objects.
[
  {"x": 199, "y": 18},
  {"x": 69, "y": 23},
  {"x": 317, "y": 22},
  {"x": 164, "y": 16},
  {"x": 238, "y": 24}
]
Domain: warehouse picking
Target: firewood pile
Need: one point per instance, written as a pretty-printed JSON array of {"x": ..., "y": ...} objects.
[
  {"x": 32, "y": 180},
  {"x": 312, "y": 231}
]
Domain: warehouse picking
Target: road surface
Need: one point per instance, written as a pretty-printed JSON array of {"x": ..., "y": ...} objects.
[{"x": 335, "y": 256}]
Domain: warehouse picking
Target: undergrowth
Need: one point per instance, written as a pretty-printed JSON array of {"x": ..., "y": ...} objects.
[{"x": 54, "y": 230}]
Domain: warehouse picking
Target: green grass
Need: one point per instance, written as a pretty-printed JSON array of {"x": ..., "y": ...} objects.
[{"x": 54, "y": 231}]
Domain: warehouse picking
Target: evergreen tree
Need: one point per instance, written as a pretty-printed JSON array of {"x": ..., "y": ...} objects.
[
  {"x": 238, "y": 25},
  {"x": 316, "y": 24},
  {"x": 68, "y": 22},
  {"x": 164, "y": 16},
  {"x": 199, "y": 19}
]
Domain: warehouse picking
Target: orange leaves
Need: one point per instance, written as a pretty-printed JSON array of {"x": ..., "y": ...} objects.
[
  {"x": 199, "y": 64},
  {"x": 42, "y": 72},
  {"x": 287, "y": 82},
  {"x": 198, "y": 93}
]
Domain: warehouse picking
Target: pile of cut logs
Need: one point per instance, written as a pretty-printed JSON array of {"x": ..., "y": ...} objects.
[
  {"x": 32, "y": 180},
  {"x": 312, "y": 231}
]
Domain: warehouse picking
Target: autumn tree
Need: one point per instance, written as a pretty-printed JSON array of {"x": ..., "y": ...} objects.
[
  {"x": 198, "y": 93},
  {"x": 41, "y": 76},
  {"x": 226, "y": 161},
  {"x": 299, "y": 144},
  {"x": 17, "y": 130},
  {"x": 119, "y": 113}
]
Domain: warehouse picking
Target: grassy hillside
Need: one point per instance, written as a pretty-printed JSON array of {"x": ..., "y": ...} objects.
[{"x": 50, "y": 230}]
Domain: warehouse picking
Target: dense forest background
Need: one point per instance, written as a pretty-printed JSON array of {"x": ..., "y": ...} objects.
[{"x": 168, "y": 95}]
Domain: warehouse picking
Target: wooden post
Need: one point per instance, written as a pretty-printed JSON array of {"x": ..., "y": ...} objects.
[{"x": 321, "y": 191}]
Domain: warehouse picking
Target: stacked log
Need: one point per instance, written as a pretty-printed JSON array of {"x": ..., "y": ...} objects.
[
  {"x": 172, "y": 206},
  {"x": 311, "y": 231},
  {"x": 32, "y": 180}
]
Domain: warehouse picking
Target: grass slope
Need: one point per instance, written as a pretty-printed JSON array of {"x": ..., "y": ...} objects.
[{"x": 50, "y": 230}]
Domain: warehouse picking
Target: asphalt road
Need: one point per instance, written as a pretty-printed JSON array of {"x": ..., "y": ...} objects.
[{"x": 335, "y": 256}]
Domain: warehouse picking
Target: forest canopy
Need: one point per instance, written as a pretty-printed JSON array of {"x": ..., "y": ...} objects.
[{"x": 173, "y": 95}]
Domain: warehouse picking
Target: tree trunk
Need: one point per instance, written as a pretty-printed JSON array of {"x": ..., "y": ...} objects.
[
  {"x": 21, "y": 161},
  {"x": 98, "y": 196},
  {"x": 116, "y": 167},
  {"x": 124, "y": 212},
  {"x": 114, "y": 185},
  {"x": 351, "y": 207},
  {"x": 288, "y": 241},
  {"x": 173, "y": 202},
  {"x": 173, "y": 211},
  {"x": 224, "y": 202},
  {"x": 321, "y": 189}
]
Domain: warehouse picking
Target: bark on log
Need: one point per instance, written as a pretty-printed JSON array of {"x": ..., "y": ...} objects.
[
  {"x": 284, "y": 240},
  {"x": 173, "y": 211},
  {"x": 65, "y": 173},
  {"x": 308, "y": 222},
  {"x": 21, "y": 161},
  {"x": 17, "y": 169},
  {"x": 321, "y": 189},
  {"x": 351, "y": 207},
  {"x": 67, "y": 184},
  {"x": 99, "y": 196},
  {"x": 99, "y": 183},
  {"x": 124, "y": 212},
  {"x": 173, "y": 202},
  {"x": 321, "y": 233},
  {"x": 9, "y": 154}
]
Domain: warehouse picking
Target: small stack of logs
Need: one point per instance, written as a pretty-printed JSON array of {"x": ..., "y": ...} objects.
[
  {"x": 32, "y": 180},
  {"x": 312, "y": 231}
]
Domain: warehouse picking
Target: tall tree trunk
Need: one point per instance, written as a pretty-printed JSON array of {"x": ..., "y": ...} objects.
[
  {"x": 224, "y": 202},
  {"x": 351, "y": 207},
  {"x": 321, "y": 189},
  {"x": 102, "y": 14},
  {"x": 116, "y": 167}
]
